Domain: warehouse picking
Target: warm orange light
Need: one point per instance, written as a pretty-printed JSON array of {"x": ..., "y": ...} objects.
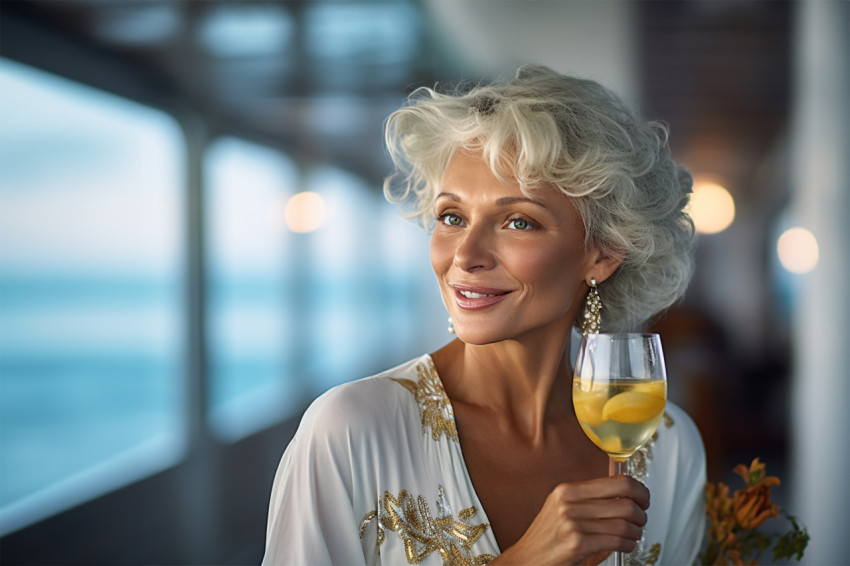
[
  {"x": 712, "y": 208},
  {"x": 305, "y": 212},
  {"x": 798, "y": 250}
]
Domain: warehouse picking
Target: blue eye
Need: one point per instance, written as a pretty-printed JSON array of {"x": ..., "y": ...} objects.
[
  {"x": 450, "y": 219},
  {"x": 520, "y": 224}
]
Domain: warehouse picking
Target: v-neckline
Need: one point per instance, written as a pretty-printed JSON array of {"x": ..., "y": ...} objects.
[{"x": 458, "y": 452}]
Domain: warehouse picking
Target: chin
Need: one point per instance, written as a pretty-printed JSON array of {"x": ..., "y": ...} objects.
[
  {"x": 475, "y": 340},
  {"x": 482, "y": 336}
]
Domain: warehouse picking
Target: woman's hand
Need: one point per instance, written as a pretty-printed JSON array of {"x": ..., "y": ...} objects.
[{"x": 582, "y": 523}]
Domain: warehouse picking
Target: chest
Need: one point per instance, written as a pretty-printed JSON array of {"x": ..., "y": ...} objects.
[{"x": 513, "y": 478}]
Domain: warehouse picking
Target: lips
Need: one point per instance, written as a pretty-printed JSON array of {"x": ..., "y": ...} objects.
[{"x": 473, "y": 297}]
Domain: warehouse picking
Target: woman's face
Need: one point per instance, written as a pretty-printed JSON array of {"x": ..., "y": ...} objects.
[{"x": 507, "y": 265}]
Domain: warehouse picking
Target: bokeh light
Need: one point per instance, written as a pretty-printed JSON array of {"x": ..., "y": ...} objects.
[
  {"x": 305, "y": 212},
  {"x": 798, "y": 250},
  {"x": 712, "y": 208}
]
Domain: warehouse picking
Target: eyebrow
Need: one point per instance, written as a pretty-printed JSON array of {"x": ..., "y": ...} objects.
[{"x": 504, "y": 201}]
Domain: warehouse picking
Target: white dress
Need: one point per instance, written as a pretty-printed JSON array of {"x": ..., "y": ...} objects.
[{"x": 375, "y": 475}]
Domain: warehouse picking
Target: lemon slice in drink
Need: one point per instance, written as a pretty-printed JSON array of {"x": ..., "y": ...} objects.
[
  {"x": 655, "y": 388},
  {"x": 611, "y": 444},
  {"x": 633, "y": 407},
  {"x": 589, "y": 408}
]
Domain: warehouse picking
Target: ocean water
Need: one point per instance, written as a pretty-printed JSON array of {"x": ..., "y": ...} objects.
[
  {"x": 93, "y": 368},
  {"x": 89, "y": 369},
  {"x": 61, "y": 415}
]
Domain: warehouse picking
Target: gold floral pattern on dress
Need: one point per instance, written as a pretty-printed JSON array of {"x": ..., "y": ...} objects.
[
  {"x": 423, "y": 534},
  {"x": 639, "y": 462},
  {"x": 639, "y": 468},
  {"x": 434, "y": 405},
  {"x": 364, "y": 524},
  {"x": 648, "y": 558}
]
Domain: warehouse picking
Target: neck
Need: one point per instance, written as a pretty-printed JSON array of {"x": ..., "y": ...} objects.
[{"x": 525, "y": 382}]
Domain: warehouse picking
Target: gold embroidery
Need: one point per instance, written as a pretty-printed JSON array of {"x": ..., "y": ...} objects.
[
  {"x": 434, "y": 405},
  {"x": 639, "y": 462},
  {"x": 639, "y": 468},
  {"x": 367, "y": 518},
  {"x": 423, "y": 534},
  {"x": 364, "y": 524},
  {"x": 648, "y": 558}
]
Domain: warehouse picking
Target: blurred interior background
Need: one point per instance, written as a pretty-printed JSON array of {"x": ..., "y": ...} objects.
[{"x": 194, "y": 243}]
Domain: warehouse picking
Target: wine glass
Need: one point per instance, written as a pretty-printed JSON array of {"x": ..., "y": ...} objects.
[{"x": 619, "y": 394}]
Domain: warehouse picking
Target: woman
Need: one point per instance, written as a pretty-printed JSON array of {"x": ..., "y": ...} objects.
[{"x": 538, "y": 191}]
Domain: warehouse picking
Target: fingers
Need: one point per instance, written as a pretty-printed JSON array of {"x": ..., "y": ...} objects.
[
  {"x": 583, "y": 519},
  {"x": 579, "y": 549},
  {"x": 618, "y": 529},
  {"x": 619, "y": 509},
  {"x": 615, "y": 507},
  {"x": 615, "y": 544},
  {"x": 604, "y": 488}
]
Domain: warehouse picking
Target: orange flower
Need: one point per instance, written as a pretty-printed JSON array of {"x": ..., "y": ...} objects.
[
  {"x": 732, "y": 538},
  {"x": 719, "y": 508},
  {"x": 752, "y": 504},
  {"x": 754, "y": 475}
]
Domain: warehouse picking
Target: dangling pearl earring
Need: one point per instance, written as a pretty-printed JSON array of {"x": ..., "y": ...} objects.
[
  {"x": 451, "y": 326},
  {"x": 592, "y": 322}
]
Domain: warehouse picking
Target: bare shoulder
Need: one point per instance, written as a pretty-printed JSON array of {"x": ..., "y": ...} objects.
[{"x": 361, "y": 407}]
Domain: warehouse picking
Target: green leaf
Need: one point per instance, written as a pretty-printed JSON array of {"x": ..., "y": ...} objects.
[{"x": 793, "y": 543}]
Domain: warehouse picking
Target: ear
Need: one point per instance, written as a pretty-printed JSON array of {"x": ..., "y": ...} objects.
[{"x": 602, "y": 267}]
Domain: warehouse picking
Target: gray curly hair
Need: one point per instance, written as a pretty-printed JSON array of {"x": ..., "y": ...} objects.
[{"x": 544, "y": 129}]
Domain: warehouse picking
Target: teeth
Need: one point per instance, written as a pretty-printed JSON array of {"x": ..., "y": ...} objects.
[{"x": 472, "y": 295}]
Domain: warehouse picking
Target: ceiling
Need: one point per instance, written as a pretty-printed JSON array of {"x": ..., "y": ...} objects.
[{"x": 318, "y": 77}]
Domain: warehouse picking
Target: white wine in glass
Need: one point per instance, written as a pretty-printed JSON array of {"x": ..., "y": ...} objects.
[{"x": 619, "y": 394}]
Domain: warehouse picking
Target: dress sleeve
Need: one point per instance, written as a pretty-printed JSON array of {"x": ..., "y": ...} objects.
[
  {"x": 687, "y": 525},
  {"x": 312, "y": 519}
]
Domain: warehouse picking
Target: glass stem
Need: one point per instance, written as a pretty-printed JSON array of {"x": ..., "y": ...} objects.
[{"x": 616, "y": 468}]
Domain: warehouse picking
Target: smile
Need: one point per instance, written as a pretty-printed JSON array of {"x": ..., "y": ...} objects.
[
  {"x": 474, "y": 298},
  {"x": 474, "y": 295}
]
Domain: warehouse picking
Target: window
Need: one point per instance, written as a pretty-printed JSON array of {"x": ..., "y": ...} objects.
[
  {"x": 371, "y": 293},
  {"x": 345, "y": 280},
  {"x": 251, "y": 324},
  {"x": 90, "y": 292},
  {"x": 304, "y": 293}
]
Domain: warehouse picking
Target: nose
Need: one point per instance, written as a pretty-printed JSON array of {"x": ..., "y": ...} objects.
[{"x": 474, "y": 249}]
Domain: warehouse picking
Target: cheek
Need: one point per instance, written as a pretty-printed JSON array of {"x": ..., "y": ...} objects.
[
  {"x": 561, "y": 268},
  {"x": 441, "y": 255}
]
